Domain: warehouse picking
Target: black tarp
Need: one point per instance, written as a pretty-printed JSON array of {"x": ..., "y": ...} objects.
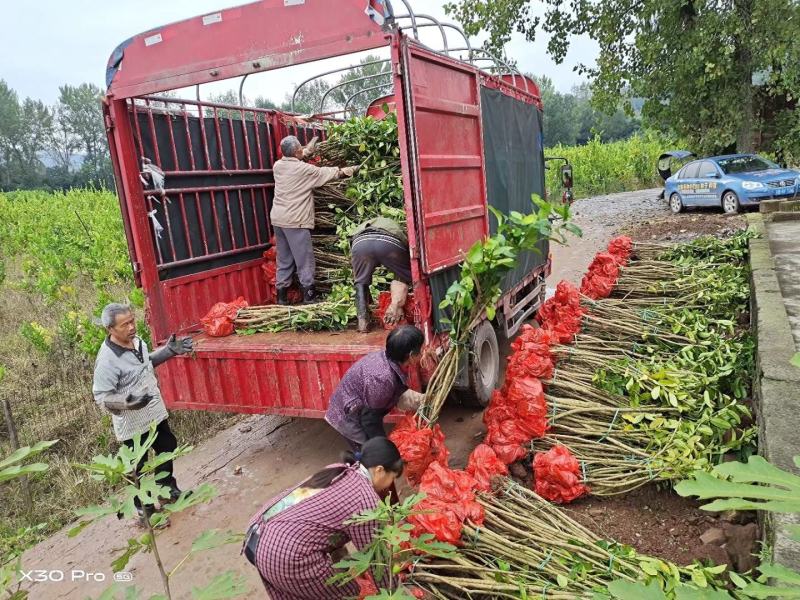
[{"x": 513, "y": 153}]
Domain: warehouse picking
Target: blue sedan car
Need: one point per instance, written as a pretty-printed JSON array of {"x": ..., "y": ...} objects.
[{"x": 730, "y": 181}]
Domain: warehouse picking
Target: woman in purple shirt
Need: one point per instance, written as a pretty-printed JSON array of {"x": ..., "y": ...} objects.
[
  {"x": 374, "y": 385},
  {"x": 290, "y": 540}
]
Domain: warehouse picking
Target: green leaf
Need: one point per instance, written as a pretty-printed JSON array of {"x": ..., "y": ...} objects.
[
  {"x": 214, "y": 538},
  {"x": 795, "y": 360},
  {"x": 781, "y": 492},
  {"x": 627, "y": 590},
  {"x": 227, "y": 585},
  {"x": 199, "y": 495},
  {"x": 26, "y": 452},
  {"x": 133, "y": 548},
  {"x": 20, "y": 470},
  {"x": 780, "y": 573},
  {"x": 684, "y": 592},
  {"x": 699, "y": 578},
  {"x": 562, "y": 580}
]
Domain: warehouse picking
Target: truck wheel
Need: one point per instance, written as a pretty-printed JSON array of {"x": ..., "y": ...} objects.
[{"x": 483, "y": 367}]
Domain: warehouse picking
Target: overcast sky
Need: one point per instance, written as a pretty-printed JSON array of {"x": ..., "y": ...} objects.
[{"x": 46, "y": 43}]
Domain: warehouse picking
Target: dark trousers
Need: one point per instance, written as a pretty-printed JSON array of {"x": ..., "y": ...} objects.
[
  {"x": 372, "y": 249},
  {"x": 165, "y": 442}
]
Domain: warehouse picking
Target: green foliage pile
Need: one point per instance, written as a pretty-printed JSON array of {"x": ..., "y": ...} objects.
[
  {"x": 656, "y": 385},
  {"x": 604, "y": 168},
  {"x": 340, "y": 207}
]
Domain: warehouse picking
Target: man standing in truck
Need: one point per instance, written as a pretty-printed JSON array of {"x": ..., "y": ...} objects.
[
  {"x": 380, "y": 242},
  {"x": 125, "y": 385},
  {"x": 292, "y": 214}
]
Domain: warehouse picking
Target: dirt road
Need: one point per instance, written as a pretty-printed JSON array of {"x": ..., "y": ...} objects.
[{"x": 274, "y": 452}]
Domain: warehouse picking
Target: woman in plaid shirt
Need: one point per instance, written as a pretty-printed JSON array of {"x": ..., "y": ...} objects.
[{"x": 290, "y": 540}]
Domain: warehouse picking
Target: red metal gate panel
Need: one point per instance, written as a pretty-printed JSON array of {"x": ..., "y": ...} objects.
[{"x": 445, "y": 120}]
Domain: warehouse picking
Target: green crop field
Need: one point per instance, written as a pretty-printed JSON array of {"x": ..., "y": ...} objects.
[{"x": 604, "y": 168}]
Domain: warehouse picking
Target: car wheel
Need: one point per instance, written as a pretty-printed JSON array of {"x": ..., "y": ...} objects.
[
  {"x": 675, "y": 203},
  {"x": 730, "y": 203}
]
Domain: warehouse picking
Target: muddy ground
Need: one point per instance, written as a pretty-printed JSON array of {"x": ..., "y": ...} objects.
[{"x": 262, "y": 455}]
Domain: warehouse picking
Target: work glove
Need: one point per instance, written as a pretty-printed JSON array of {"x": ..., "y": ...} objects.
[
  {"x": 394, "y": 311},
  {"x": 308, "y": 150},
  {"x": 410, "y": 400},
  {"x": 179, "y": 346},
  {"x": 348, "y": 171},
  {"x": 131, "y": 402}
]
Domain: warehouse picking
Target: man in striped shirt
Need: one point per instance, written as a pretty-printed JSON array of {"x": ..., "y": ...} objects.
[{"x": 125, "y": 385}]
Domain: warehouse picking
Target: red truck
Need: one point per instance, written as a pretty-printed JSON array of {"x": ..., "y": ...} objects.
[{"x": 468, "y": 139}]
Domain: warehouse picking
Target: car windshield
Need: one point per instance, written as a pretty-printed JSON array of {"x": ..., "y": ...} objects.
[{"x": 745, "y": 164}]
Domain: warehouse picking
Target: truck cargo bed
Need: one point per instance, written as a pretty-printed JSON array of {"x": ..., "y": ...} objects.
[{"x": 290, "y": 373}]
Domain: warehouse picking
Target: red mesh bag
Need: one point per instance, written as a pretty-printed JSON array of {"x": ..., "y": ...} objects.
[
  {"x": 503, "y": 433},
  {"x": 455, "y": 488},
  {"x": 561, "y": 314},
  {"x": 218, "y": 322},
  {"x": 621, "y": 248},
  {"x": 597, "y": 286},
  {"x": 449, "y": 502},
  {"x": 602, "y": 275},
  {"x": 530, "y": 364},
  {"x": 528, "y": 396},
  {"x": 558, "y": 476},
  {"x": 533, "y": 339},
  {"x": 384, "y": 300},
  {"x": 270, "y": 270},
  {"x": 419, "y": 447},
  {"x": 366, "y": 586},
  {"x": 433, "y": 516},
  {"x": 499, "y": 409},
  {"x": 484, "y": 465},
  {"x": 506, "y": 439}
]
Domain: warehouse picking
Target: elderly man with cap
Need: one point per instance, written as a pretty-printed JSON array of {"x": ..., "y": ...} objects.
[
  {"x": 125, "y": 385},
  {"x": 292, "y": 214}
]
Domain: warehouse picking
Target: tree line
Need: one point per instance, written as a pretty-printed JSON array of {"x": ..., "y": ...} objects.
[
  {"x": 64, "y": 145},
  {"x": 571, "y": 119},
  {"x": 53, "y": 147},
  {"x": 723, "y": 75}
]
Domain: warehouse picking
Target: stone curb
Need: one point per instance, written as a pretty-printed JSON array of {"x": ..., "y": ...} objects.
[{"x": 776, "y": 384}]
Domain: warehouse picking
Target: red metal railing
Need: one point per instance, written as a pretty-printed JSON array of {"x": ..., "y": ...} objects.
[{"x": 217, "y": 163}]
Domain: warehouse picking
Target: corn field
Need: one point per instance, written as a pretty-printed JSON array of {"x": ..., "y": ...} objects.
[{"x": 604, "y": 168}]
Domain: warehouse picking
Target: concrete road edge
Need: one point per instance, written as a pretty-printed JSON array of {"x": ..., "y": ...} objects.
[{"x": 776, "y": 384}]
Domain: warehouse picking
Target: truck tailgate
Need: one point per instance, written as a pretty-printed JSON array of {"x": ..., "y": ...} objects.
[{"x": 289, "y": 373}]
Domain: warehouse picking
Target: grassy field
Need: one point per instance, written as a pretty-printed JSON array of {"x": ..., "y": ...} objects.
[{"x": 62, "y": 258}]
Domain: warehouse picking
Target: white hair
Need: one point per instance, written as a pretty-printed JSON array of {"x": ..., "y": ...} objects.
[
  {"x": 290, "y": 145},
  {"x": 111, "y": 311}
]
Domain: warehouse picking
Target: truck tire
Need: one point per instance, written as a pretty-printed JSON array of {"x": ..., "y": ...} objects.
[{"x": 483, "y": 367}]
